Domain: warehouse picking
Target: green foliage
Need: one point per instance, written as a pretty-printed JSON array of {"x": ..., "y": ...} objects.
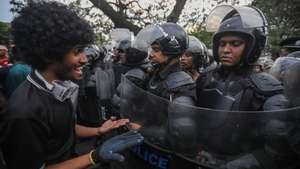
[
  {"x": 5, "y": 33},
  {"x": 205, "y": 37},
  {"x": 282, "y": 16}
]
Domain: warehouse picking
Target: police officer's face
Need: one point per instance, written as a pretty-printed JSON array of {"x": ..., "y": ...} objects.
[
  {"x": 71, "y": 67},
  {"x": 230, "y": 50},
  {"x": 122, "y": 57},
  {"x": 156, "y": 55},
  {"x": 186, "y": 61},
  {"x": 116, "y": 54}
]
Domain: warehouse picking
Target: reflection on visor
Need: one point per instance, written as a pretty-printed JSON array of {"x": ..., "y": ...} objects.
[
  {"x": 148, "y": 35},
  {"x": 251, "y": 17},
  {"x": 216, "y": 16}
]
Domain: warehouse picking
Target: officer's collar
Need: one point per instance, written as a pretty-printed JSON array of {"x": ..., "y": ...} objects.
[{"x": 172, "y": 66}]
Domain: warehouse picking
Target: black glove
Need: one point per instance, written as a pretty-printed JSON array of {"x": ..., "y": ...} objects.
[{"x": 110, "y": 149}]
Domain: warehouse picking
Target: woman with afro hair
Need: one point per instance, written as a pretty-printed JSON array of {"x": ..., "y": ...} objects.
[{"x": 38, "y": 127}]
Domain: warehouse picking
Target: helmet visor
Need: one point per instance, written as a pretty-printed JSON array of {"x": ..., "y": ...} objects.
[
  {"x": 251, "y": 17},
  {"x": 147, "y": 36},
  {"x": 120, "y": 34}
]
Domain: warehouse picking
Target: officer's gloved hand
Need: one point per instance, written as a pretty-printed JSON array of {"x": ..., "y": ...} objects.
[{"x": 110, "y": 149}]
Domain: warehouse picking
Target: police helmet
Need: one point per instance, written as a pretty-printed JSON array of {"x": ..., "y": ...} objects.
[
  {"x": 247, "y": 22},
  {"x": 198, "y": 51},
  {"x": 92, "y": 52},
  {"x": 123, "y": 45},
  {"x": 135, "y": 56},
  {"x": 172, "y": 38},
  {"x": 176, "y": 41},
  {"x": 292, "y": 43}
]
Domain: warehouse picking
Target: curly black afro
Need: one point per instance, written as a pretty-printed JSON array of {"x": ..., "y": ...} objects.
[{"x": 46, "y": 31}]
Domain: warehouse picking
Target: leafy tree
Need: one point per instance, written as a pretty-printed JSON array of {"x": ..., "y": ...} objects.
[
  {"x": 5, "y": 33},
  {"x": 135, "y": 14},
  {"x": 283, "y": 18}
]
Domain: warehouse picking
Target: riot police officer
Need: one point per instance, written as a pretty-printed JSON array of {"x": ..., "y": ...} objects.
[
  {"x": 91, "y": 108},
  {"x": 235, "y": 86},
  {"x": 237, "y": 46},
  {"x": 121, "y": 66},
  {"x": 166, "y": 83},
  {"x": 167, "y": 79},
  {"x": 195, "y": 58},
  {"x": 136, "y": 61}
]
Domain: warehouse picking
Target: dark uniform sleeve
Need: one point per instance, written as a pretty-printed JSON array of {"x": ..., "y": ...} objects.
[{"x": 23, "y": 144}]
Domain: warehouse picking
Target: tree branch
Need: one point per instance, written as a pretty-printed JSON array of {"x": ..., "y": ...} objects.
[
  {"x": 174, "y": 15},
  {"x": 119, "y": 19}
]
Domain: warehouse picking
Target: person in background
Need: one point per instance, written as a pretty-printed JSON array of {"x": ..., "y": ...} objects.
[
  {"x": 195, "y": 58},
  {"x": 38, "y": 128},
  {"x": 289, "y": 45},
  {"x": 17, "y": 73},
  {"x": 4, "y": 59}
]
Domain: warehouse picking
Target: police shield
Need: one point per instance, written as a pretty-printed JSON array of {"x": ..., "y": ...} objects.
[
  {"x": 148, "y": 112},
  {"x": 105, "y": 83},
  {"x": 208, "y": 136}
]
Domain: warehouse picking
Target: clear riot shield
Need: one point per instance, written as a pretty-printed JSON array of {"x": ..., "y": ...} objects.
[
  {"x": 207, "y": 136},
  {"x": 148, "y": 112},
  {"x": 105, "y": 83}
]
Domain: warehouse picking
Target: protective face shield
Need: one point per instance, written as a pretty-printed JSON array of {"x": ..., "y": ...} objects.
[
  {"x": 123, "y": 46},
  {"x": 244, "y": 21},
  {"x": 198, "y": 51},
  {"x": 131, "y": 52},
  {"x": 92, "y": 52},
  {"x": 119, "y": 34},
  {"x": 171, "y": 38}
]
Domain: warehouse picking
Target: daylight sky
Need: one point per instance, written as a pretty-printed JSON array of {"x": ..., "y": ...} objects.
[{"x": 6, "y": 15}]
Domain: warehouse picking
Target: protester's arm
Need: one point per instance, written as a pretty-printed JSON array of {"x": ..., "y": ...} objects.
[{"x": 83, "y": 131}]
